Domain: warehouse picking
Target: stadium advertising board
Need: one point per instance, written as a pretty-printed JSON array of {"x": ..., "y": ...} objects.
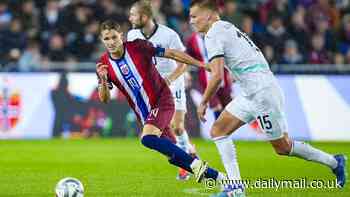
[
  {"x": 42, "y": 105},
  {"x": 26, "y": 109},
  {"x": 317, "y": 108}
]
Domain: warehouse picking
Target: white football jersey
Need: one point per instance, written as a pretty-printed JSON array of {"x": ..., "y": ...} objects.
[
  {"x": 164, "y": 37},
  {"x": 242, "y": 56}
]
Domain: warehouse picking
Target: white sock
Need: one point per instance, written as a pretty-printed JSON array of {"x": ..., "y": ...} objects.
[
  {"x": 183, "y": 142},
  {"x": 307, "y": 152},
  {"x": 227, "y": 152}
]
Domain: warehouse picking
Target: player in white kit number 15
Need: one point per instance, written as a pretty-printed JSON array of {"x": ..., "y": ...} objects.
[{"x": 261, "y": 97}]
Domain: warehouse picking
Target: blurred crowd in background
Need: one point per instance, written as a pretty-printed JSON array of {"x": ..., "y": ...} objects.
[{"x": 36, "y": 33}]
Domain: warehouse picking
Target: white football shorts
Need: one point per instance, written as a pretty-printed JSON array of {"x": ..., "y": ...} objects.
[
  {"x": 266, "y": 106},
  {"x": 177, "y": 88}
]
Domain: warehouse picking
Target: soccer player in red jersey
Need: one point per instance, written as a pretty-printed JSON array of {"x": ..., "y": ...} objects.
[{"x": 129, "y": 66}]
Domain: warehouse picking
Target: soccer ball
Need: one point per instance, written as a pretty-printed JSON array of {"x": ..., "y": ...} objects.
[{"x": 69, "y": 187}]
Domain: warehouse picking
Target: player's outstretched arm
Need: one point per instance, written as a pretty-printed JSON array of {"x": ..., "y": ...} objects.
[
  {"x": 182, "y": 57},
  {"x": 103, "y": 90}
]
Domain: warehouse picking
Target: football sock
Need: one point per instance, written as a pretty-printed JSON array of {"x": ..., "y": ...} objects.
[
  {"x": 307, "y": 152},
  {"x": 167, "y": 148},
  {"x": 177, "y": 156},
  {"x": 217, "y": 114},
  {"x": 177, "y": 162},
  {"x": 182, "y": 141},
  {"x": 227, "y": 152},
  {"x": 211, "y": 173}
]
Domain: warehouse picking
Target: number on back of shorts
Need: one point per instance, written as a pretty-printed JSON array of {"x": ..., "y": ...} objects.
[
  {"x": 265, "y": 123},
  {"x": 178, "y": 94}
]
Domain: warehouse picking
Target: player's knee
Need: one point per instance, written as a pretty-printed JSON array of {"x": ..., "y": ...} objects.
[
  {"x": 282, "y": 146},
  {"x": 216, "y": 131},
  {"x": 151, "y": 130},
  {"x": 178, "y": 127},
  {"x": 178, "y": 130},
  {"x": 282, "y": 150}
]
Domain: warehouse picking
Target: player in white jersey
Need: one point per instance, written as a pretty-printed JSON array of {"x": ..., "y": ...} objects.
[
  {"x": 145, "y": 27},
  {"x": 261, "y": 97}
]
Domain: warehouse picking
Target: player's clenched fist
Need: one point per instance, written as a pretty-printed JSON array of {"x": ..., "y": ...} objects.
[
  {"x": 103, "y": 90},
  {"x": 101, "y": 70}
]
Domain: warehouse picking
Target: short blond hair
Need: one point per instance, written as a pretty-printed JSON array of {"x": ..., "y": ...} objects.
[
  {"x": 144, "y": 7},
  {"x": 209, "y": 4}
]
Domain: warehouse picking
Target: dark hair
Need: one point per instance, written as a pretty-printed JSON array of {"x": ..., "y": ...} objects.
[
  {"x": 209, "y": 4},
  {"x": 109, "y": 25},
  {"x": 144, "y": 7}
]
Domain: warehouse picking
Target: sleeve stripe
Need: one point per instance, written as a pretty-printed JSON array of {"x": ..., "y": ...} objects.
[{"x": 216, "y": 56}]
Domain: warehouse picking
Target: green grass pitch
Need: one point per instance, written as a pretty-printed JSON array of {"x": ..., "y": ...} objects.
[{"x": 123, "y": 167}]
